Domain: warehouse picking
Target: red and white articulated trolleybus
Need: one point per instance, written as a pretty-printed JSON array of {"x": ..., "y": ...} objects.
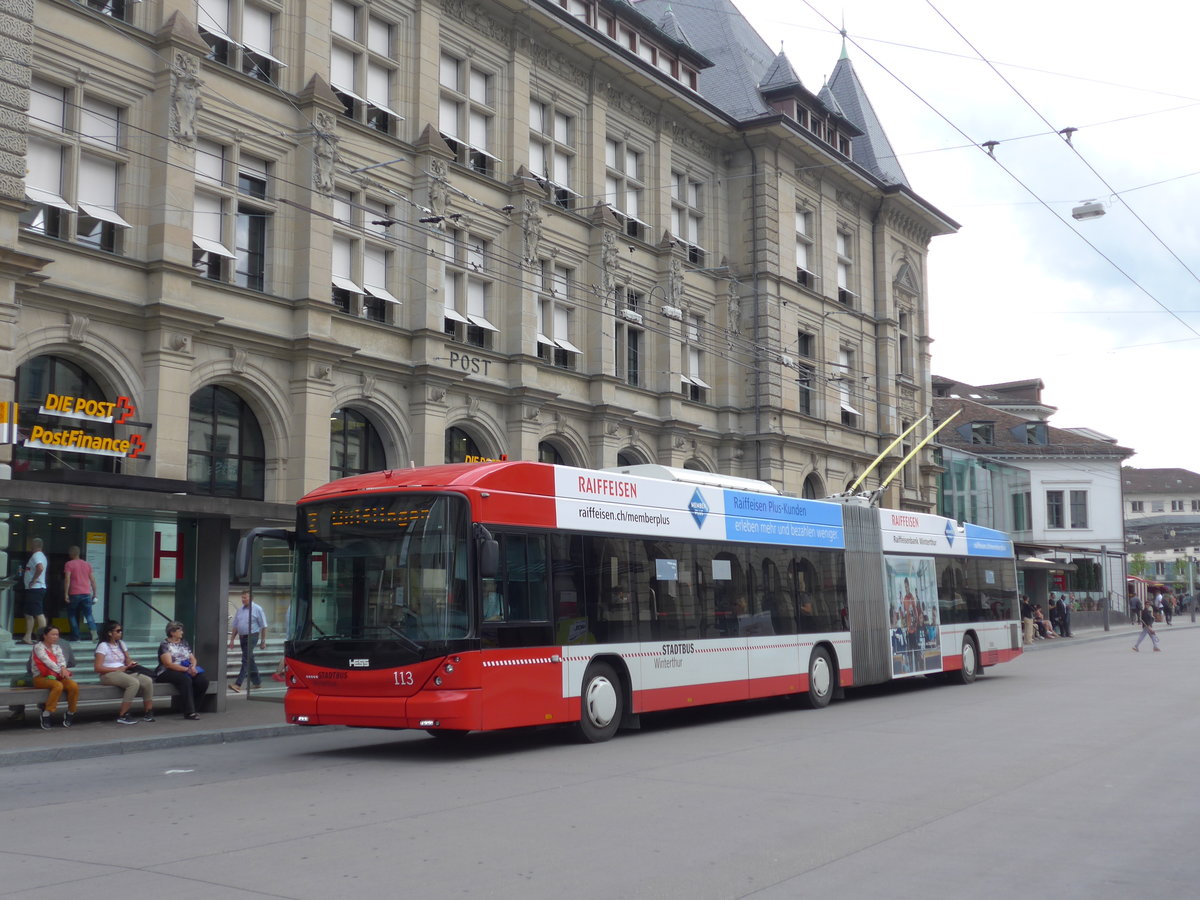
[{"x": 476, "y": 597}]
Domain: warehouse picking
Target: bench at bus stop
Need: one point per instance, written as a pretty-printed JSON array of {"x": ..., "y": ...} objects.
[{"x": 91, "y": 692}]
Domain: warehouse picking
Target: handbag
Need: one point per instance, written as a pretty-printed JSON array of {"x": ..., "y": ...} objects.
[{"x": 140, "y": 670}]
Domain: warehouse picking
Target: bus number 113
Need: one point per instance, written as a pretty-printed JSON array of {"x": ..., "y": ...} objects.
[{"x": 403, "y": 678}]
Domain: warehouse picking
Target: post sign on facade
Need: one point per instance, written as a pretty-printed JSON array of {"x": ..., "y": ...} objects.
[{"x": 78, "y": 440}]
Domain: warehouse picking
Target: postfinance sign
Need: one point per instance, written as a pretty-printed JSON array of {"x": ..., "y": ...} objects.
[{"x": 76, "y": 440}]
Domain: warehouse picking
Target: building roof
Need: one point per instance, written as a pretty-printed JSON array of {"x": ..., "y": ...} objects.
[
  {"x": 1159, "y": 481},
  {"x": 781, "y": 75},
  {"x": 872, "y": 150},
  {"x": 1008, "y": 434}
]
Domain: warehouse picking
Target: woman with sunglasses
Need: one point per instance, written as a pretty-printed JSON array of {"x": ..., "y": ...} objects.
[
  {"x": 177, "y": 667},
  {"x": 115, "y": 667}
]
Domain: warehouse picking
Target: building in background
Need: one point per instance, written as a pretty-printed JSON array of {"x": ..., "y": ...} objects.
[
  {"x": 252, "y": 245},
  {"x": 1057, "y": 491},
  {"x": 1162, "y": 524}
]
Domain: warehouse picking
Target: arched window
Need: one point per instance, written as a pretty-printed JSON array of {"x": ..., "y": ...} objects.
[
  {"x": 461, "y": 447},
  {"x": 629, "y": 458},
  {"x": 694, "y": 465},
  {"x": 226, "y": 455},
  {"x": 36, "y": 379},
  {"x": 548, "y": 453},
  {"x": 354, "y": 445},
  {"x": 813, "y": 489}
]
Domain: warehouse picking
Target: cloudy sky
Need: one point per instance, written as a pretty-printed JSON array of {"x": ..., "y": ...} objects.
[{"x": 1101, "y": 310}]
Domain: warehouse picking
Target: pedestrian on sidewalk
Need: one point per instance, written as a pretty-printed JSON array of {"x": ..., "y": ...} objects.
[
  {"x": 78, "y": 577},
  {"x": 33, "y": 603},
  {"x": 177, "y": 667},
  {"x": 249, "y": 625},
  {"x": 48, "y": 664},
  {"x": 1147, "y": 629},
  {"x": 1027, "y": 619},
  {"x": 115, "y": 667}
]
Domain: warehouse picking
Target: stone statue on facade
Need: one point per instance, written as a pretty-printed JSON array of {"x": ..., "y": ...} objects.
[
  {"x": 325, "y": 153},
  {"x": 439, "y": 193},
  {"x": 185, "y": 96},
  {"x": 611, "y": 276},
  {"x": 531, "y": 228},
  {"x": 675, "y": 283},
  {"x": 735, "y": 306}
]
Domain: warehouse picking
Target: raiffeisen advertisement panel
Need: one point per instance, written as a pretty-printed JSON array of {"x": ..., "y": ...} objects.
[
  {"x": 628, "y": 504},
  {"x": 909, "y": 532}
]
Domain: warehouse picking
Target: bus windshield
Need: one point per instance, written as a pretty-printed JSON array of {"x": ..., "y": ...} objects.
[{"x": 382, "y": 567}]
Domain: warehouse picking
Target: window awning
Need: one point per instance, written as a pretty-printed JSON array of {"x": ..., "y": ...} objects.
[
  {"x": 481, "y": 322},
  {"x": 846, "y": 407},
  {"x": 212, "y": 247},
  {"x": 346, "y": 284},
  {"x": 567, "y": 345},
  {"x": 103, "y": 214},
  {"x": 46, "y": 198},
  {"x": 455, "y": 316},
  {"x": 382, "y": 293}
]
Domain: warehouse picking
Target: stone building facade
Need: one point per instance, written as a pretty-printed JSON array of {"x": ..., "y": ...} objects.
[{"x": 305, "y": 238}]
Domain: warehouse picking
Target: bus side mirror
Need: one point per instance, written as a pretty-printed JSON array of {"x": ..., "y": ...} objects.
[
  {"x": 245, "y": 547},
  {"x": 489, "y": 558}
]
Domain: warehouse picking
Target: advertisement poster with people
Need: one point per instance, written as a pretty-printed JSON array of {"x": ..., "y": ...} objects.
[{"x": 911, "y": 583}]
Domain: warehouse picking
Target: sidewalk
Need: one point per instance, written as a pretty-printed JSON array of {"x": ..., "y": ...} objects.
[
  {"x": 96, "y": 732},
  {"x": 1118, "y": 628},
  {"x": 260, "y": 715}
]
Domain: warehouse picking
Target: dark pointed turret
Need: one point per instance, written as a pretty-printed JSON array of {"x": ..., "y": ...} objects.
[
  {"x": 844, "y": 94},
  {"x": 780, "y": 76}
]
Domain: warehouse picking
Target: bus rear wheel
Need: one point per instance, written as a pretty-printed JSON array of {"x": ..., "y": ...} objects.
[
  {"x": 820, "y": 680},
  {"x": 970, "y": 662},
  {"x": 601, "y": 702}
]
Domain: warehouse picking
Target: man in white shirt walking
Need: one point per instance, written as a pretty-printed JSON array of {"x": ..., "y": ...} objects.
[{"x": 250, "y": 626}]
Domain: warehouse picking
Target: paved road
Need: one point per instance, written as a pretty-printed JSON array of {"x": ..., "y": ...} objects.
[{"x": 1065, "y": 774}]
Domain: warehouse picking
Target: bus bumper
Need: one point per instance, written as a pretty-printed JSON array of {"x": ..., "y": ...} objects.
[{"x": 456, "y": 710}]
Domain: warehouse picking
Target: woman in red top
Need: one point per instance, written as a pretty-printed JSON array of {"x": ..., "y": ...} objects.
[{"x": 49, "y": 666}]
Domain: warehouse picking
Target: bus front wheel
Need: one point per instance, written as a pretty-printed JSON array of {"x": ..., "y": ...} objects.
[
  {"x": 820, "y": 680},
  {"x": 970, "y": 661},
  {"x": 601, "y": 704}
]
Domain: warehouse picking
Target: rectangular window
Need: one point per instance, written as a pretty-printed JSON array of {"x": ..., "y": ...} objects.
[
  {"x": 1055, "y": 513},
  {"x": 231, "y": 222},
  {"x": 845, "y": 380},
  {"x": 240, "y": 34},
  {"x": 117, "y": 9},
  {"x": 805, "y": 250},
  {"x": 623, "y": 185},
  {"x": 362, "y": 67},
  {"x": 552, "y": 150},
  {"x": 686, "y": 215},
  {"x": 467, "y": 290},
  {"x": 75, "y": 139},
  {"x": 693, "y": 384},
  {"x": 250, "y": 266},
  {"x": 806, "y": 381},
  {"x": 465, "y": 116},
  {"x": 629, "y": 339},
  {"x": 1176, "y": 506},
  {"x": 904, "y": 345},
  {"x": 1196, "y": 506},
  {"x": 845, "y": 268},
  {"x": 1139, "y": 505},
  {"x": 1021, "y": 511},
  {"x": 1156, "y": 506},
  {"x": 983, "y": 433},
  {"x": 1079, "y": 509}
]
